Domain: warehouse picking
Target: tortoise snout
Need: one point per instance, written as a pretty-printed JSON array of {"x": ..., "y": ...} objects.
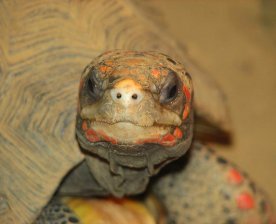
[{"x": 127, "y": 93}]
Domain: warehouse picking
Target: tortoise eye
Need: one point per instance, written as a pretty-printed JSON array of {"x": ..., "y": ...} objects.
[
  {"x": 94, "y": 86},
  {"x": 170, "y": 89},
  {"x": 91, "y": 86}
]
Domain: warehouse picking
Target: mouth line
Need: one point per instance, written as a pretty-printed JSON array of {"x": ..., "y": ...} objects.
[
  {"x": 104, "y": 122},
  {"x": 127, "y": 133}
]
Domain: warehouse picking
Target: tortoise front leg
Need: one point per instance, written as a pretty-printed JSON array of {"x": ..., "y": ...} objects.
[
  {"x": 57, "y": 212},
  {"x": 204, "y": 188}
]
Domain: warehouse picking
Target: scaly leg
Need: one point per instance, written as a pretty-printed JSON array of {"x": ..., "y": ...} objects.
[
  {"x": 57, "y": 213},
  {"x": 204, "y": 188}
]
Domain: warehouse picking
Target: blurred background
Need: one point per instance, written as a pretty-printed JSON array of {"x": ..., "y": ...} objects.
[{"x": 235, "y": 41}]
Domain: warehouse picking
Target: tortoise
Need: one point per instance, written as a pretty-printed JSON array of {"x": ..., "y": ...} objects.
[{"x": 43, "y": 49}]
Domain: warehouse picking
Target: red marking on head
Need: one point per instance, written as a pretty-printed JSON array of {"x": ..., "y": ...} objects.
[
  {"x": 168, "y": 137},
  {"x": 178, "y": 133},
  {"x": 187, "y": 93},
  {"x": 245, "y": 201},
  {"x": 155, "y": 72},
  {"x": 235, "y": 177},
  {"x": 92, "y": 138},
  {"x": 91, "y": 135},
  {"x": 186, "y": 112},
  {"x": 168, "y": 140},
  {"x": 188, "y": 99},
  {"x": 104, "y": 68},
  {"x": 84, "y": 126},
  {"x": 91, "y": 132}
]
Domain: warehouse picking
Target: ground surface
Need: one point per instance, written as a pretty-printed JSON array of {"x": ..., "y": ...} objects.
[{"x": 235, "y": 41}]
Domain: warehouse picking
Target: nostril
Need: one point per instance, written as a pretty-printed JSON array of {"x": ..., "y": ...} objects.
[
  {"x": 119, "y": 95},
  {"x": 134, "y": 96}
]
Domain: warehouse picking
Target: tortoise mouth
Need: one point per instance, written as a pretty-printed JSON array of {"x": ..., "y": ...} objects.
[{"x": 128, "y": 133}]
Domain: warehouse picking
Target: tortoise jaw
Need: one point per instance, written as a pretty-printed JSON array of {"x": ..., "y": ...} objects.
[{"x": 128, "y": 133}]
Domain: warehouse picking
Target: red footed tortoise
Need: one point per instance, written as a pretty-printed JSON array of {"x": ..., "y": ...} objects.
[{"x": 43, "y": 49}]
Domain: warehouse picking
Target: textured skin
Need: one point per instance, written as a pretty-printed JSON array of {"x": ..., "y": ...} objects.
[
  {"x": 57, "y": 213},
  {"x": 204, "y": 188}
]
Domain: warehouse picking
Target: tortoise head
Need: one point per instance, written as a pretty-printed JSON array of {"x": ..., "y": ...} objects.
[{"x": 135, "y": 108}]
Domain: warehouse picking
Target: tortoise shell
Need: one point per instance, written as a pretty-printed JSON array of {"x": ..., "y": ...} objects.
[{"x": 44, "y": 46}]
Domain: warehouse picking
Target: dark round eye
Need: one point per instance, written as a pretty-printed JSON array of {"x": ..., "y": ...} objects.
[
  {"x": 170, "y": 89},
  {"x": 91, "y": 86},
  {"x": 94, "y": 86}
]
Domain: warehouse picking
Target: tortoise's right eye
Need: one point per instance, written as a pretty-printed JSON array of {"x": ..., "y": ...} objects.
[
  {"x": 91, "y": 86},
  {"x": 94, "y": 86}
]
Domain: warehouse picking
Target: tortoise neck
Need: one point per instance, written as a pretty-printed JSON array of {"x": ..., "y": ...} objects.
[{"x": 116, "y": 179}]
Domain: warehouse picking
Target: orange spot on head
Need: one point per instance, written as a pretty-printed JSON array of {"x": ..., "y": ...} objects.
[
  {"x": 91, "y": 135},
  {"x": 84, "y": 126},
  {"x": 178, "y": 133},
  {"x": 245, "y": 201},
  {"x": 187, "y": 93},
  {"x": 188, "y": 99},
  {"x": 156, "y": 73},
  {"x": 92, "y": 138},
  {"x": 186, "y": 112},
  {"x": 168, "y": 137},
  {"x": 235, "y": 177},
  {"x": 128, "y": 84},
  {"x": 168, "y": 140},
  {"x": 91, "y": 132},
  {"x": 104, "y": 68}
]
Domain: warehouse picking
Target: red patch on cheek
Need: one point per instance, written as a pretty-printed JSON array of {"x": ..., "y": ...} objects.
[
  {"x": 245, "y": 201},
  {"x": 178, "y": 133},
  {"x": 92, "y": 138},
  {"x": 91, "y": 132},
  {"x": 235, "y": 177},
  {"x": 168, "y": 140},
  {"x": 91, "y": 135}
]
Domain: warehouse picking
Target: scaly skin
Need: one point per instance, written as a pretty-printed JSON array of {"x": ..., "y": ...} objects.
[
  {"x": 205, "y": 188},
  {"x": 134, "y": 117}
]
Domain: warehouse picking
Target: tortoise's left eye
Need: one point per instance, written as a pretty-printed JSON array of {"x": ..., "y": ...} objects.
[{"x": 170, "y": 89}]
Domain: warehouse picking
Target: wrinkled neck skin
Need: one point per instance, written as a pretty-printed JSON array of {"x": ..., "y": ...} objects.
[
  {"x": 126, "y": 169},
  {"x": 135, "y": 116}
]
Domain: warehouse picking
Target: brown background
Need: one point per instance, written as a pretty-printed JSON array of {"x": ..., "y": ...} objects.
[{"x": 235, "y": 42}]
